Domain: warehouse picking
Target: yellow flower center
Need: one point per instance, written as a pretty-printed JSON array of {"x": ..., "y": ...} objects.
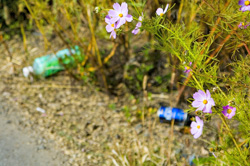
[
  {"x": 198, "y": 127},
  {"x": 187, "y": 67},
  {"x": 204, "y": 101},
  {"x": 113, "y": 25},
  {"x": 247, "y": 3},
  {"x": 229, "y": 111},
  {"x": 243, "y": 24},
  {"x": 161, "y": 14},
  {"x": 120, "y": 15}
]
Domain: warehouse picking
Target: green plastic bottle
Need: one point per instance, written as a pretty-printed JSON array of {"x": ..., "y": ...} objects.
[{"x": 49, "y": 64}]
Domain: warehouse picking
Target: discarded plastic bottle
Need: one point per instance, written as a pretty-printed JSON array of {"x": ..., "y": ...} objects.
[
  {"x": 49, "y": 64},
  {"x": 181, "y": 118}
]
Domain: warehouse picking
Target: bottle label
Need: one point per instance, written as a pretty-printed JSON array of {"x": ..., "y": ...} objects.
[{"x": 169, "y": 113}]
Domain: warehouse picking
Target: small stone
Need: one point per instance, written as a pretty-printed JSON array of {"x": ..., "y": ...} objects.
[
  {"x": 118, "y": 136},
  {"x": 146, "y": 134},
  {"x": 204, "y": 151},
  {"x": 138, "y": 129},
  {"x": 41, "y": 147}
]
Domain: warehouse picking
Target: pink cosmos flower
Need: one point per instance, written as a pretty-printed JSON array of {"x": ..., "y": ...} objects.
[
  {"x": 160, "y": 11},
  {"x": 120, "y": 14},
  {"x": 243, "y": 25},
  {"x": 245, "y": 5},
  {"x": 197, "y": 127},
  {"x": 229, "y": 111},
  {"x": 187, "y": 68},
  {"x": 111, "y": 26},
  {"x": 203, "y": 101},
  {"x": 138, "y": 25}
]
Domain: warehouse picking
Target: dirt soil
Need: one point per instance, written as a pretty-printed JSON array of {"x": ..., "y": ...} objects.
[
  {"x": 80, "y": 121},
  {"x": 21, "y": 147}
]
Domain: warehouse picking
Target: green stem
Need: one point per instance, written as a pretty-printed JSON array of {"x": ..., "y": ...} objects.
[
  {"x": 197, "y": 82},
  {"x": 222, "y": 92},
  {"x": 231, "y": 135},
  {"x": 181, "y": 41}
]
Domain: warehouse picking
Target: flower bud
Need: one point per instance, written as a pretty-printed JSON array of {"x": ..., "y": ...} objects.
[
  {"x": 207, "y": 117},
  {"x": 198, "y": 112},
  {"x": 211, "y": 149},
  {"x": 97, "y": 9}
]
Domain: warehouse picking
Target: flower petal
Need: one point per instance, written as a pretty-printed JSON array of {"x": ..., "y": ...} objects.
[
  {"x": 207, "y": 108},
  {"x": 224, "y": 112},
  {"x": 107, "y": 19},
  {"x": 196, "y": 103},
  {"x": 200, "y": 95},
  {"x": 129, "y": 18},
  {"x": 198, "y": 134},
  {"x": 198, "y": 120},
  {"x": 138, "y": 25},
  {"x": 214, "y": 155},
  {"x": 113, "y": 34},
  {"x": 194, "y": 130},
  {"x": 231, "y": 115},
  {"x": 109, "y": 28},
  {"x": 120, "y": 22},
  {"x": 202, "y": 124},
  {"x": 193, "y": 124},
  {"x": 159, "y": 11},
  {"x": 114, "y": 19},
  {"x": 240, "y": 25},
  {"x": 241, "y": 2},
  {"x": 135, "y": 31},
  {"x": 124, "y": 9},
  {"x": 208, "y": 95},
  {"x": 187, "y": 71},
  {"x": 225, "y": 107},
  {"x": 117, "y": 7},
  {"x": 245, "y": 8},
  {"x": 113, "y": 13},
  {"x": 211, "y": 101},
  {"x": 201, "y": 107},
  {"x": 166, "y": 8},
  {"x": 140, "y": 18}
]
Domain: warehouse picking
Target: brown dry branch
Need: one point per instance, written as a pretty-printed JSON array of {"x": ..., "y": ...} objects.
[{"x": 195, "y": 64}]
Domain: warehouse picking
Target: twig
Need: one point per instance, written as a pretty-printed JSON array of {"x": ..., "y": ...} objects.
[
  {"x": 180, "y": 11},
  {"x": 170, "y": 142},
  {"x": 193, "y": 16},
  {"x": 6, "y": 47},
  {"x": 46, "y": 43},
  {"x": 111, "y": 54},
  {"x": 221, "y": 45},
  {"x": 195, "y": 64},
  {"x": 95, "y": 47}
]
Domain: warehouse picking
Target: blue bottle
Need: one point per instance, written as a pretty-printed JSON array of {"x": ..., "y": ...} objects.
[{"x": 166, "y": 114}]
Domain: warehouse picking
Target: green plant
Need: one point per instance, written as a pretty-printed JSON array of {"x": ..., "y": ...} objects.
[{"x": 204, "y": 32}]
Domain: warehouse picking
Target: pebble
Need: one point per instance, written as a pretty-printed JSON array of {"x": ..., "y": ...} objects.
[{"x": 138, "y": 128}]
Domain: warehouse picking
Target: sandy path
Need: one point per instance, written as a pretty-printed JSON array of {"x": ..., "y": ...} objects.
[{"x": 20, "y": 147}]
